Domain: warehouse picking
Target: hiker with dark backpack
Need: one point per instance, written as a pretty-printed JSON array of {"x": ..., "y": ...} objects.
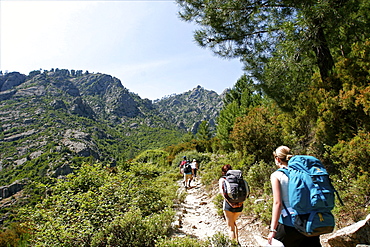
[
  {"x": 188, "y": 174},
  {"x": 234, "y": 190},
  {"x": 303, "y": 200}
]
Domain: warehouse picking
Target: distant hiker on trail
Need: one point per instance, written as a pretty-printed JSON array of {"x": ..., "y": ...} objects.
[
  {"x": 195, "y": 167},
  {"x": 181, "y": 165},
  {"x": 281, "y": 228},
  {"x": 188, "y": 174},
  {"x": 230, "y": 183}
]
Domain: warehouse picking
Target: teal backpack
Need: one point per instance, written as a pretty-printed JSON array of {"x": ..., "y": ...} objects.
[{"x": 311, "y": 196}]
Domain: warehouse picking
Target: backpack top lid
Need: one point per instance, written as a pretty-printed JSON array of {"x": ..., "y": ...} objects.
[
  {"x": 235, "y": 173},
  {"x": 307, "y": 164}
]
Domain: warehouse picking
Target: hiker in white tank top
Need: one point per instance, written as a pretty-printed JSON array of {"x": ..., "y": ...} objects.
[{"x": 285, "y": 232}]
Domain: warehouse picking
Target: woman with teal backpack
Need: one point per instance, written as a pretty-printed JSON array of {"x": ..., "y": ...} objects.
[{"x": 281, "y": 228}]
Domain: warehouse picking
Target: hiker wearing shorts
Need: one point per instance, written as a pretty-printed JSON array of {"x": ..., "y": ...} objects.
[
  {"x": 288, "y": 235},
  {"x": 231, "y": 212},
  {"x": 188, "y": 174}
]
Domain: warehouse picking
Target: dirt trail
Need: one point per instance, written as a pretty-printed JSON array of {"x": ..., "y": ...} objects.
[{"x": 198, "y": 217}]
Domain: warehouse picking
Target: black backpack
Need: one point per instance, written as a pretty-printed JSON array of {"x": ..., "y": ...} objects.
[
  {"x": 187, "y": 168},
  {"x": 235, "y": 188}
]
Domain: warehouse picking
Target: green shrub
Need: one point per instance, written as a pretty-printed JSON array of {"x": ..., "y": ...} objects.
[
  {"x": 156, "y": 156},
  {"x": 15, "y": 235},
  {"x": 259, "y": 208},
  {"x": 134, "y": 230},
  {"x": 96, "y": 204},
  {"x": 351, "y": 176},
  {"x": 211, "y": 172},
  {"x": 147, "y": 170},
  {"x": 217, "y": 240},
  {"x": 181, "y": 241},
  {"x": 258, "y": 178},
  {"x": 220, "y": 240},
  {"x": 218, "y": 200}
]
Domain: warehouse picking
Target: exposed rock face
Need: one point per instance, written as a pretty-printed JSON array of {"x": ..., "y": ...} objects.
[
  {"x": 80, "y": 108},
  {"x": 58, "y": 104},
  {"x": 7, "y": 95},
  {"x": 189, "y": 109},
  {"x": 356, "y": 234},
  {"x": 63, "y": 170},
  {"x": 80, "y": 143},
  {"x": 20, "y": 136},
  {"x": 9, "y": 190},
  {"x": 11, "y": 80},
  {"x": 107, "y": 95}
]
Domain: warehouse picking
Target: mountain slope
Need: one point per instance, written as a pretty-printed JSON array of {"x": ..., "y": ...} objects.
[
  {"x": 52, "y": 121},
  {"x": 189, "y": 109}
]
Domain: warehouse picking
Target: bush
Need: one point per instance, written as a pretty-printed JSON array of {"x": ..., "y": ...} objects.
[
  {"x": 218, "y": 200},
  {"x": 259, "y": 208},
  {"x": 258, "y": 178},
  {"x": 158, "y": 157},
  {"x": 220, "y": 240},
  {"x": 181, "y": 241},
  {"x": 133, "y": 230},
  {"x": 211, "y": 172},
  {"x": 217, "y": 240},
  {"x": 351, "y": 176},
  {"x": 15, "y": 235},
  {"x": 105, "y": 210}
]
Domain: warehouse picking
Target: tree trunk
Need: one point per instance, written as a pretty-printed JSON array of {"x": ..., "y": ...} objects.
[{"x": 324, "y": 59}]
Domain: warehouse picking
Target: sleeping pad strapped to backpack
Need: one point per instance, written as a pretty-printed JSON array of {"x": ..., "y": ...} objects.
[
  {"x": 235, "y": 188},
  {"x": 311, "y": 196}
]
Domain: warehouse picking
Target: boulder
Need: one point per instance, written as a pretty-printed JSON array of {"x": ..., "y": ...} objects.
[
  {"x": 353, "y": 235},
  {"x": 80, "y": 108},
  {"x": 63, "y": 170},
  {"x": 58, "y": 104}
]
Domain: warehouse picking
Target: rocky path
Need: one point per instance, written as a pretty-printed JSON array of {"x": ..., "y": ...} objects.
[{"x": 198, "y": 217}]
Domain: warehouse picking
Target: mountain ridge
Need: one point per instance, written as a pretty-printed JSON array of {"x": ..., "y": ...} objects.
[{"x": 54, "y": 120}]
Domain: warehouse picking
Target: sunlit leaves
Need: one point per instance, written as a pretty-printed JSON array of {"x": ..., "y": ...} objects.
[
  {"x": 257, "y": 133},
  {"x": 99, "y": 202}
]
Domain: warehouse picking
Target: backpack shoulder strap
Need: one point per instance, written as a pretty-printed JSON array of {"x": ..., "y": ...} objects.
[{"x": 285, "y": 171}]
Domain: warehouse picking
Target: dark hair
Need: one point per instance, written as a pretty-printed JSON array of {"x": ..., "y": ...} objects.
[{"x": 225, "y": 168}]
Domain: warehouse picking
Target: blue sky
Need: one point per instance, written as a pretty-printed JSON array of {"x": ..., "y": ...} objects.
[{"x": 142, "y": 43}]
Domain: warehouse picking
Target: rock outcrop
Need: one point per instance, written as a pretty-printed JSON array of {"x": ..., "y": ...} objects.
[
  {"x": 9, "y": 190},
  {"x": 11, "y": 80},
  {"x": 189, "y": 109},
  {"x": 354, "y": 235}
]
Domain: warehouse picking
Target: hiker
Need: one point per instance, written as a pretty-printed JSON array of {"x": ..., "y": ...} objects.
[
  {"x": 188, "y": 174},
  {"x": 181, "y": 164},
  {"x": 194, "y": 167},
  {"x": 231, "y": 212},
  {"x": 288, "y": 235}
]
